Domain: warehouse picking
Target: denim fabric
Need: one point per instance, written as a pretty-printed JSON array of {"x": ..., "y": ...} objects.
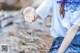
[{"x": 74, "y": 47}]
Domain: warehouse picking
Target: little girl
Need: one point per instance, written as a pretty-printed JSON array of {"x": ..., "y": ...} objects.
[{"x": 65, "y": 24}]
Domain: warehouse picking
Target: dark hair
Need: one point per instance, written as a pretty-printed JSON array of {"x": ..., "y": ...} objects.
[{"x": 62, "y": 12}]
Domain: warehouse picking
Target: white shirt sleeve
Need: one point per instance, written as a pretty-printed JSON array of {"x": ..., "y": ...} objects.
[
  {"x": 44, "y": 9},
  {"x": 76, "y": 18},
  {"x": 71, "y": 18}
]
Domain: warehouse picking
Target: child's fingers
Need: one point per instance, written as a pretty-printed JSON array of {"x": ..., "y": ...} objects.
[
  {"x": 26, "y": 17},
  {"x": 26, "y": 10},
  {"x": 32, "y": 17},
  {"x": 29, "y": 18}
]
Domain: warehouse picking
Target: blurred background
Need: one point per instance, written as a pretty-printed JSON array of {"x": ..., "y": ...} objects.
[{"x": 23, "y": 37}]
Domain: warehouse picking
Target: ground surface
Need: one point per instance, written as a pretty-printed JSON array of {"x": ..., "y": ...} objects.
[{"x": 23, "y": 37}]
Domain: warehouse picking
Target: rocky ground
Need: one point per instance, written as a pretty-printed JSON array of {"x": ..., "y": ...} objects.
[
  {"x": 17, "y": 4},
  {"x": 23, "y": 37},
  {"x": 20, "y": 36}
]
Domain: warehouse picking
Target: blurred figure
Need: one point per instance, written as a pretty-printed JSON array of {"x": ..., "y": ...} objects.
[{"x": 65, "y": 23}]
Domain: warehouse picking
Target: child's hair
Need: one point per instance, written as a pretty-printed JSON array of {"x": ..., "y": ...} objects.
[{"x": 62, "y": 12}]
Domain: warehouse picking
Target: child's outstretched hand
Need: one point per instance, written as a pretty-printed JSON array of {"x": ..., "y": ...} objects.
[{"x": 29, "y": 14}]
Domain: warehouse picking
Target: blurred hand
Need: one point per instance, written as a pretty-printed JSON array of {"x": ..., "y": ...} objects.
[
  {"x": 1, "y": 14},
  {"x": 29, "y": 14}
]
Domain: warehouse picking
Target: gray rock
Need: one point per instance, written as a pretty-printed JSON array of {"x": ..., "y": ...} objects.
[
  {"x": 18, "y": 18},
  {"x": 9, "y": 28},
  {"x": 7, "y": 21}
]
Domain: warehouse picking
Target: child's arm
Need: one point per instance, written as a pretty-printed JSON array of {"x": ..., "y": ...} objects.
[
  {"x": 30, "y": 14},
  {"x": 68, "y": 38}
]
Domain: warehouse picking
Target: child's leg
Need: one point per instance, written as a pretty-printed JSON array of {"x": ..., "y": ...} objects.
[{"x": 73, "y": 47}]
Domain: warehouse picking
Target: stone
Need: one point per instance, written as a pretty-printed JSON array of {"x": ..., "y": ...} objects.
[
  {"x": 7, "y": 21},
  {"x": 9, "y": 28}
]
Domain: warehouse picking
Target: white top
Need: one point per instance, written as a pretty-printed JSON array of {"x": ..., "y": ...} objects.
[{"x": 59, "y": 27}]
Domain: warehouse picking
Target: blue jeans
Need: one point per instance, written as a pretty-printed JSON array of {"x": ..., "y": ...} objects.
[{"x": 74, "y": 46}]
